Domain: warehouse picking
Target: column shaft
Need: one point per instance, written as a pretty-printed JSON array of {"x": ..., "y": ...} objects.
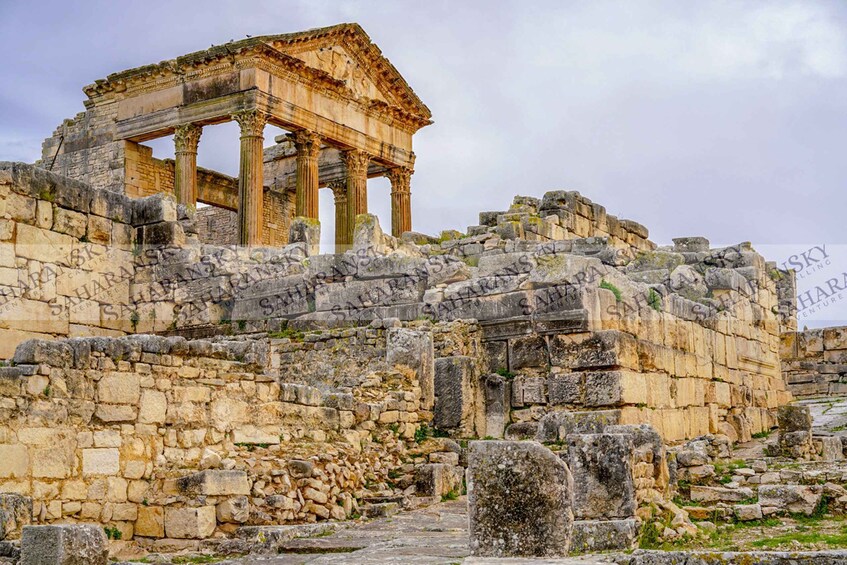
[
  {"x": 250, "y": 182},
  {"x": 401, "y": 200},
  {"x": 308, "y": 147},
  {"x": 186, "y": 138},
  {"x": 342, "y": 216},
  {"x": 356, "y": 162}
]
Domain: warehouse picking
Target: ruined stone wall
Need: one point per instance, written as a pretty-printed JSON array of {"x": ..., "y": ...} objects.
[
  {"x": 814, "y": 362},
  {"x": 66, "y": 259},
  {"x": 84, "y": 149},
  {"x": 164, "y": 437},
  {"x": 217, "y": 226}
]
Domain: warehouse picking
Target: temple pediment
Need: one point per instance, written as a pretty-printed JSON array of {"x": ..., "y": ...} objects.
[{"x": 341, "y": 65}]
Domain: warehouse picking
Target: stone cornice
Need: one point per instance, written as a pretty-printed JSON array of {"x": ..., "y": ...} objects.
[{"x": 267, "y": 53}]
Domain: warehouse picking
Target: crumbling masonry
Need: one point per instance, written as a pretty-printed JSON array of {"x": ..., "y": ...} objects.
[{"x": 175, "y": 374}]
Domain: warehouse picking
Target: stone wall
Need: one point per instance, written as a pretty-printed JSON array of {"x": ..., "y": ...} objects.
[
  {"x": 165, "y": 437},
  {"x": 814, "y": 362},
  {"x": 66, "y": 261},
  {"x": 217, "y": 226}
]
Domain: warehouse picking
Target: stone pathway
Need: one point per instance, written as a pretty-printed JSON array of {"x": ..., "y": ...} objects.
[
  {"x": 436, "y": 534},
  {"x": 829, "y": 414}
]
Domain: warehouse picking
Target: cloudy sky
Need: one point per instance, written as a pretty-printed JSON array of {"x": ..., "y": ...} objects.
[{"x": 722, "y": 119}]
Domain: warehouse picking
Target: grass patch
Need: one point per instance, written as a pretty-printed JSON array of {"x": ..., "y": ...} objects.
[
  {"x": 615, "y": 290},
  {"x": 289, "y": 333},
  {"x": 804, "y": 537},
  {"x": 505, "y": 373},
  {"x": 452, "y": 495}
]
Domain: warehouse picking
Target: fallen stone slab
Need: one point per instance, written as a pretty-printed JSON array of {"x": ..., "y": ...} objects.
[
  {"x": 520, "y": 500},
  {"x": 601, "y": 465},
  {"x": 790, "y": 498},
  {"x": 720, "y": 494},
  {"x": 650, "y": 557},
  {"x": 77, "y": 544},
  {"x": 603, "y": 535}
]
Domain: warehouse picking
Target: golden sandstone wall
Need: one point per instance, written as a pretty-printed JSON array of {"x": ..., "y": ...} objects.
[
  {"x": 814, "y": 362},
  {"x": 165, "y": 437}
]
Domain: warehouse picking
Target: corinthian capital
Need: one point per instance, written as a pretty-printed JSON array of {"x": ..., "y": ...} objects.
[
  {"x": 186, "y": 138},
  {"x": 252, "y": 122},
  {"x": 400, "y": 178},
  {"x": 356, "y": 162},
  {"x": 307, "y": 143},
  {"x": 339, "y": 190}
]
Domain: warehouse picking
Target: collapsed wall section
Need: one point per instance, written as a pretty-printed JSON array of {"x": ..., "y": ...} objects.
[
  {"x": 167, "y": 437},
  {"x": 814, "y": 362}
]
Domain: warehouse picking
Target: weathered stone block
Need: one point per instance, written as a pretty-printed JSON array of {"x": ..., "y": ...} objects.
[
  {"x": 528, "y": 352},
  {"x": 519, "y": 500},
  {"x": 565, "y": 388},
  {"x": 190, "y": 523},
  {"x": 64, "y": 545},
  {"x": 306, "y": 231},
  {"x": 101, "y": 461},
  {"x": 14, "y": 461},
  {"x": 453, "y": 399},
  {"x": 119, "y": 388},
  {"x": 15, "y": 513},
  {"x": 556, "y": 426},
  {"x": 794, "y": 418},
  {"x": 496, "y": 389},
  {"x": 415, "y": 350},
  {"x": 234, "y": 510},
  {"x": 603, "y": 535},
  {"x": 790, "y": 498},
  {"x": 438, "y": 479},
  {"x": 150, "y": 522},
  {"x": 215, "y": 483},
  {"x": 602, "y": 465}
]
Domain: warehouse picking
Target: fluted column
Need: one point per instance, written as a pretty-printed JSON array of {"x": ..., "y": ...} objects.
[
  {"x": 343, "y": 240},
  {"x": 356, "y": 162},
  {"x": 308, "y": 147},
  {"x": 401, "y": 200},
  {"x": 250, "y": 182},
  {"x": 186, "y": 138}
]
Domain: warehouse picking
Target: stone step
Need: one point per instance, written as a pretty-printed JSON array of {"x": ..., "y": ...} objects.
[{"x": 380, "y": 510}]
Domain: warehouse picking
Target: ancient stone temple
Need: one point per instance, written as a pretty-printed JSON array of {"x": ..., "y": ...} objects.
[
  {"x": 351, "y": 115},
  {"x": 204, "y": 381}
]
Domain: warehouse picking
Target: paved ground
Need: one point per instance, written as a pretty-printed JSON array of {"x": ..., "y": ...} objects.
[{"x": 436, "y": 534}]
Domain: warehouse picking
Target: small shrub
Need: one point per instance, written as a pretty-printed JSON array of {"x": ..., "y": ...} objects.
[
  {"x": 654, "y": 300},
  {"x": 505, "y": 373},
  {"x": 452, "y": 495},
  {"x": 112, "y": 533}
]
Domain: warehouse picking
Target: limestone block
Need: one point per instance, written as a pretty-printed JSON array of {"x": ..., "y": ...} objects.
[
  {"x": 71, "y": 223},
  {"x": 831, "y": 448},
  {"x": 602, "y": 466},
  {"x": 747, "y": 512},
  {"x": 153, "y": 209},
  {"x": 794, "y": 418},
  {"x": 438, "y": 479},
  {"x": 306, "y": 231},
  {"x": 119, "y": 388},
  {"x": 720, "y": 494},
  {"x": 234, "y": 510},
  {"x": 15, "y": 513},
  {"x": 152, "y": 407},
  {"x": 556, "y": 426},
  {"x": 528, "y": 390},
  {"x": 453, "y": 393},
  {"x": 101, "y": 461},
  {"x": 76, "y": 544},
  {"x": 215, "y": 482},
  {"x": 190, "y": 523},
  {"x": 528, "y": 352},
  {"x": 14, "y": 462},
  {"x": 567, "y": 388},
  {"x": 50, "y": 462},
  {"x": 150, "y": 522},
  {"x": 496, "y": 393},
  {"x": 603, "y": 535},
  {"x": 519, "y": 500},
  {"x": 609, "y": 348},
  {"x": 791, "y": 498},
  {"x": 415, "y": 350}
]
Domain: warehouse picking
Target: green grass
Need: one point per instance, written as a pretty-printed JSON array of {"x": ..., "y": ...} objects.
[
  {"x": 615, "y": 290},
  {"x": 505, "y": 373},
  {"x": 805, "y": 537},
  {"x": 452, "y": 495},
  {"x": 289, "y": 333}
]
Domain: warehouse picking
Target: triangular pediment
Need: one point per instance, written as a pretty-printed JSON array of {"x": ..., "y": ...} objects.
[
  {"x": 346, "y": 53},
  {"x": 340, "y": 64}
]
